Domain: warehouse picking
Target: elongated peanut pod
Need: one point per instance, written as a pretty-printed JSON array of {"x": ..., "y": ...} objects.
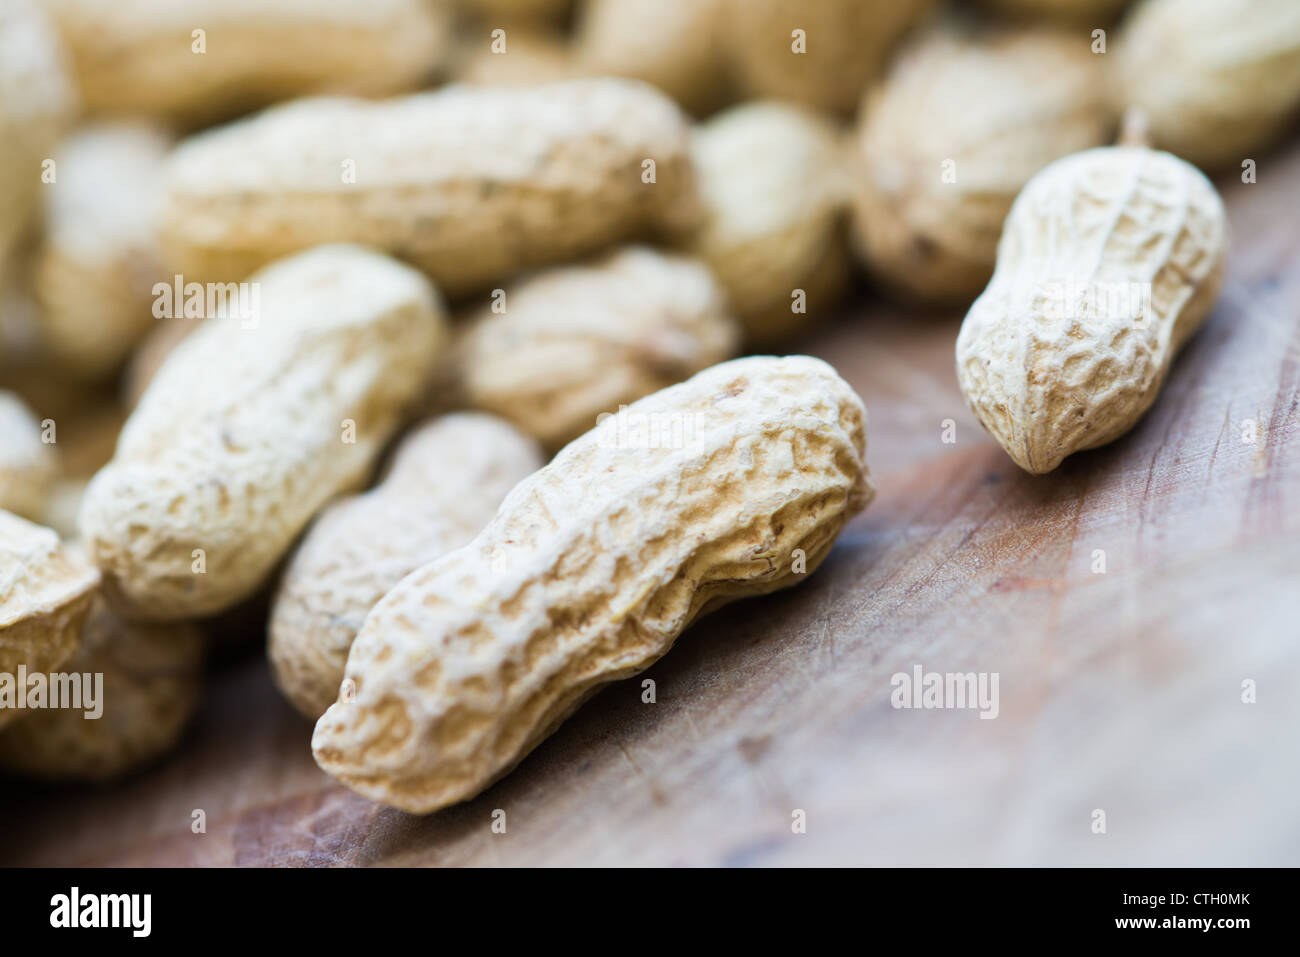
[
  {"x": 470, "y": 183},
  {"x": 193, "y": 61},
  {"x": 254, "y": 422},
  {"x": 445, "y": 483},
  {"x": 733, "y": 483},
  {"x": 1110, "y": 259}
]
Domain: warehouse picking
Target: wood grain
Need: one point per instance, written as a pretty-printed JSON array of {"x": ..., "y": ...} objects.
[{"x": 1119, "y": 691}]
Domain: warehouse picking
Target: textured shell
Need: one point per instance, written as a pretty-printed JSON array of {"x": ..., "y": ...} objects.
[
  {"x": 470, "y": 183},
  {"x": 1000, "y": 106},
  {"x": 775, "y": 189},
  {"x": 152, "y": 686},
  {"x": 45, "y": 592},
  {"x": 673, "y": 44},
  {"x": 848, "y": 43},
  {"x": 1045, "y": 373},
  {"x": 37, "y": 102},
  {"x": 445, "y": 483},
  {"x": 28, "y": 465},
  {"x": 239, "y": 439},
  {"x": 135, "y": 56},
  {"x": 590, "y": 571},
  {"x": 1216, "y": 79},
  {"x": 99, "y": 259},
  {"x": 578, "y": 341}
]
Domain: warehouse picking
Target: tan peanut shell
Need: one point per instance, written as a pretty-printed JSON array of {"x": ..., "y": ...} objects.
[
  {"x": 529, "y": 57},
  {"x": 28, "y": 464},
  {"x": 591, "y": 569},
  {"x": 574, "y": 342},
  {"x": 37, "y": 101},
  {"x": 948, "y": 138},
  {"x": 143, "y": 57},
  {"x": 1216, "y": 80},
  {"x": 45, "y": 592},
  {"x": 1110, "y": 259},
  {"x": 99, "y": 258},
  {"x": 249, "y": 427},
  {"x": 673, "y": 44},
  {"x": 775, "y": 189},
  {"x": 470, "y": 183},
  {"x": 152, "y": 681},
  {"x": 445, "y": 483},
  {"x": 845, "y": 44}
]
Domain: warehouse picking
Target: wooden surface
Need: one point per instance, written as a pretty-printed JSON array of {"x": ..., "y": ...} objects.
[{"x": 1119, "y": 691}]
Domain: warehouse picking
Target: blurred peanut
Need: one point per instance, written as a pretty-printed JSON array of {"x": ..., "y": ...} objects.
[
  {"x": 565, "y": 345},
  {"x": 775, "y": 188},
  {"x": 28, "y": 464},
  {"x": 45, "y": 592},
  {"x": 152, "y": 681},
  {"x": 949, "y": 137},
  {"x": 821, "y": 53},
  {"x": 470, "y": 183},
  {"x": 248, "y": 429},
  {"x": 195, "y": 61},
  {"x": 99, "y": 257},
  {"x": 1216, "y": 80},
  {"x": 445, "y": 483}
]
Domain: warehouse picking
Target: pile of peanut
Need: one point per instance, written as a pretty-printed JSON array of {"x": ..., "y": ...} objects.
[{"x": 487, "y": 422}]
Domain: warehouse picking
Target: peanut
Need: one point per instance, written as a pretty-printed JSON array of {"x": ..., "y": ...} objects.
[
  {"x": 673, "y": 44},
  {"x": 775, "y": 190},
  {"x": 445, "y": 483},
  {"x": 576, "y": 341},
  {"x": 470, "y": 183},
  {"x": 151, "y": 687},
  {"x": 147, "y": 357},
  {"x": 193, "y": 61},
  {"x": 36, "y": 104},
  {"x": 1109, "y": 261},
  {"x": 99, "y": 258},
  {"x": 1216, "y": 80},
  {"x": 45, "y": 592},
  {"x": 948, "y": 139},
  {"x": 530, "y": 57},
  {"x": 27, "y": 463},
  {"x": 247, "y": 430},
  {"x": 588, "y": 573},
  {"x": 817, "y": 52}
]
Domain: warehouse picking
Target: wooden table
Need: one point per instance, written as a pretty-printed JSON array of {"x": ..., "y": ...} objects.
[{"x": 1119, "y": 690}]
